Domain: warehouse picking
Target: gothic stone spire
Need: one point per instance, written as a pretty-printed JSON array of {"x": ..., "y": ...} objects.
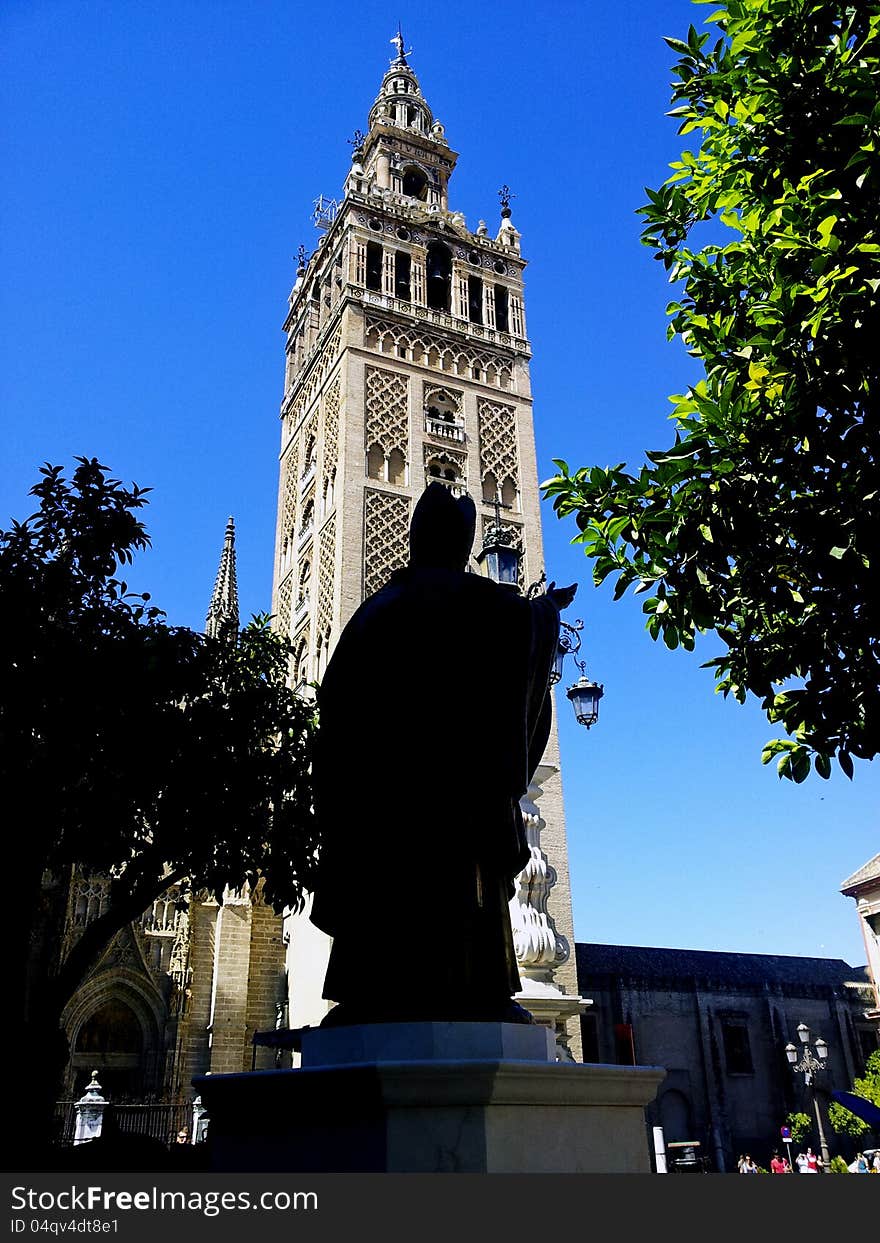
[{"x": 222, "y": 616}]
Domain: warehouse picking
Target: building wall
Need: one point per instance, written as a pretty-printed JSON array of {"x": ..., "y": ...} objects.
[{"x": 679, "y": 1022}]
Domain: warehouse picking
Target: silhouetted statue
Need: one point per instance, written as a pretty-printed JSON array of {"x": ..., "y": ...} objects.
[{"x": 434, "y": 713}]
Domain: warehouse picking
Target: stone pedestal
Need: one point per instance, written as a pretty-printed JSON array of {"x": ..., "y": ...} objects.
[{"x": 431, "y": 1097}]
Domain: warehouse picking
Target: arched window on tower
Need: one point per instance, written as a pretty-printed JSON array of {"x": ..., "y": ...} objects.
[
  {"x": 415, "y": 183},
  {"x": 323, "y": 653},
  {"x": 305, "y": 581},
  {"x": 439, "y": 276},
  {"x": 396, "y": 468},
  {"x": 508, "y": 494},
  {"x": 329, "y": 493},
  {"x": 308, "y": 518},
  {"x": 490, "y": 488},
  {"x": 376, "y": 462},
  {"x": 301, "y": 663},
  {"x": 443, "y": 469}
]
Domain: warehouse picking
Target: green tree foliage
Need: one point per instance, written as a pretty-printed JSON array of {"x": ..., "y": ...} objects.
[
  {"x": 761, "y": 522},
  {"x": 846, "y": 1123},
  {"x": 800, "y": 1126},
  {"x": 130, "y": 747}
]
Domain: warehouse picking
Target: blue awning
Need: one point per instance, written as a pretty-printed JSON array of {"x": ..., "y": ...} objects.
[{"x": 860, "y": 1107}]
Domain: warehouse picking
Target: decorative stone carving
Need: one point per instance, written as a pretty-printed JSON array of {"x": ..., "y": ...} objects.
[
  {"x": 326, "y": 576},
  {"x": 386, "y": 537},
  {"x": 289, "y": 485},
  {"x": 282, "y": 617},
  {"x": 441, "y": 352},
  {"x": 498, "y": 449},
  {"x": 331, "y": 429},
  {"x": 387, "y": 418}
]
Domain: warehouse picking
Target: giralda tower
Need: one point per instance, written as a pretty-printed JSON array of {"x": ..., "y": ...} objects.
[{"x": 407, "y": 361}]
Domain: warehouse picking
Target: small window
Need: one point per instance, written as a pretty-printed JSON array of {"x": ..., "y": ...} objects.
[{"x": 737, "y": 1050}]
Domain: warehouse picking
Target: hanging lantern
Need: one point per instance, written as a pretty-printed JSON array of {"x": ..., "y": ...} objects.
[
  {"x": 585, "y": 696},
  {"x": 498, "y": 559}
]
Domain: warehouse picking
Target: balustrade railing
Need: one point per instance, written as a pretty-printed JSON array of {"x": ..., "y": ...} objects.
[{"x": 442, "y": 430}]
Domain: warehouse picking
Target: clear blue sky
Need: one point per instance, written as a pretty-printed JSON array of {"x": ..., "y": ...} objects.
[{"x": 160, "y": 163}]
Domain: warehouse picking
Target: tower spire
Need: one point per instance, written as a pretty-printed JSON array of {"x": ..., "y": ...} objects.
[{"x": 222, "y": 618}]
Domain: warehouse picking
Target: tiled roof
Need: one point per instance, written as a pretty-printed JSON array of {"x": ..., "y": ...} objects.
[
  {"x": 647, "y": 963},
  {"x": 870, "y": 871}
]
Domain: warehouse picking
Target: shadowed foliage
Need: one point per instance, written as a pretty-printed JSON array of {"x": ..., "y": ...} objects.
[{"x": 130, "y": 747}]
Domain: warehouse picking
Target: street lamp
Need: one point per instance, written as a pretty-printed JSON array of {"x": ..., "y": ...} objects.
[
  {"x": 499, "y": 560},
  {"x": 809, "y": 1065}
]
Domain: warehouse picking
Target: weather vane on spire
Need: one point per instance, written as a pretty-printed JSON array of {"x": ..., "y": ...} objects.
[
  {"x": 398, "y": 42},
  {"x": 505, "y": 194}
]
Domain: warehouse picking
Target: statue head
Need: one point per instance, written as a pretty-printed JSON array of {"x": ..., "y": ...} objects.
[{"x": 441, "y": 533}]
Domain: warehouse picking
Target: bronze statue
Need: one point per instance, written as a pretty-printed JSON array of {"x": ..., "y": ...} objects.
[{"x": 434, "y": 713}]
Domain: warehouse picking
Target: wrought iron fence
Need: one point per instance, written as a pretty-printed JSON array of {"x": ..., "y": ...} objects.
[{"x": 158, "y": 1121}]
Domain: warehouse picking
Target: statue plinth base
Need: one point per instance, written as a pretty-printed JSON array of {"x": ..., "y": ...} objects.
[{"x": 431, "y": 1097}]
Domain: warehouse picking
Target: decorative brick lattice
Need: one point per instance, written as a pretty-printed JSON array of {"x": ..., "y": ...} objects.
[
  {"x": 308, "y": 441},
  {"x": 282, "y": 615},
  {"x": 326, "y": 575},
  {"x": 421, "y": 346},
  {"x": 317, "y": 374},
  {"x": 387, "y": 421},
  {"x": 331, "y": 427},
  {"x": 386, "y": 537},
  {"x": 498, "y": 453},
  {"x": 289, "y": 481}
]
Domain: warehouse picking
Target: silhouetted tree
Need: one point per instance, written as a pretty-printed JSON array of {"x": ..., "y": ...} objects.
[{"x": 130, "y": 747}]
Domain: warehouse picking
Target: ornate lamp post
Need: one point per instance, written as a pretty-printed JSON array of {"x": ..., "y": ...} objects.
[
  {"x": 808, "y": 1066},
  {"x": 499, "y": 560}
]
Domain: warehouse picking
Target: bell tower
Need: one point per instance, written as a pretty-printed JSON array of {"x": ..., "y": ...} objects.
[{"x": 407, "y": 361}]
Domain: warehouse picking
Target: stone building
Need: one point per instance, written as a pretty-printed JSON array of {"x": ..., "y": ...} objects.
[
  {"x": 864, "y": 887},
  {"x": 407, "y": 361},
  {"x": 719, "y": 1023}
]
